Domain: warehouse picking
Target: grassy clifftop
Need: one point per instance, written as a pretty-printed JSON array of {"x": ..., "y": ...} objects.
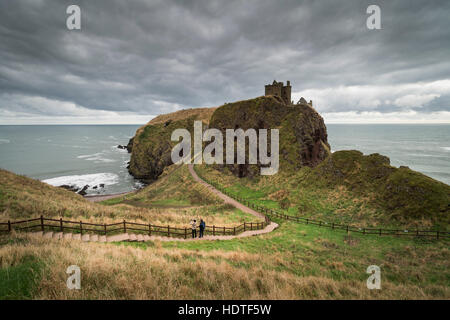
[
  {"x": 351, "y": 188},
  {"x": 404, "y": 194}
]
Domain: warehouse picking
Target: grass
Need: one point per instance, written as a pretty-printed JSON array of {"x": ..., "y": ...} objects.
[
  {"x": 19, "y": 281},
  {"x": 309, "y": 193},
  {"x": 295, "y": 261}
]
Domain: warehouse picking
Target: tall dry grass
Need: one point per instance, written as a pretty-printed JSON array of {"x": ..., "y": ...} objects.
[{"x": 121, "y": 272}]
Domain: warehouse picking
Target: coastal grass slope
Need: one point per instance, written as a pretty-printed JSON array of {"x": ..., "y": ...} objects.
[
  {"x": 347, "y": 188},
  {"x": 295, "y": 261},
  {"x": 174, "y": 199}
]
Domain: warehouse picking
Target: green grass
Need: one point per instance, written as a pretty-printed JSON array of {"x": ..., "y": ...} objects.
[
  {"x": 20, "y": 281},
  {"x": 366, "y": 193},
  {"x": 113, "y": 201},
  {"x": 306, "y": 250}
]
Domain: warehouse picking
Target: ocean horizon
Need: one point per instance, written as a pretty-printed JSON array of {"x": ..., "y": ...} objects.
[{"x": 86, "y": 154}]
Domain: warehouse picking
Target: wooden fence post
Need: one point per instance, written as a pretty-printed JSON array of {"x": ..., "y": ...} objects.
[
  {"x": 81, "y": 227},
  {"x": 364, "y": 230},
  {"x": 234, "y": 230},
  {"x": 168, "y": 230},
  {"x": 149, "y": 229},
  {"x": 244, "y": 226},
  {"x": 380, "y": 232},
  {"x": 347, "y": 229},
  {"x": 104, "y": 228},
  {"x": 185, "y": 233},
  {"x": 251, "y": 225},
  {"x": 42, "y": 223},
  {"x": 214, "y": 230},
  {"x": 61, "y": 225},
  {"x": 307, "y": 220},
  {"x": 224, "y": 231},
  {"x": 124, "y": 227},
  {"x": 9, "y": 226}
]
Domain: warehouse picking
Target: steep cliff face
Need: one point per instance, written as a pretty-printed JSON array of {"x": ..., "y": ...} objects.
[
  {"x": 151, "y": 147},
  {"x": 303, "y": 134}
]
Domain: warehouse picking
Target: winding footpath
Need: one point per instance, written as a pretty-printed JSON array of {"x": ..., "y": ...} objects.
[{"x": 141, "y": 238}]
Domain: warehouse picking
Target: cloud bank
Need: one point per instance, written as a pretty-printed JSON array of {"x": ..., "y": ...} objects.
[{"x": 134, "y": 60}]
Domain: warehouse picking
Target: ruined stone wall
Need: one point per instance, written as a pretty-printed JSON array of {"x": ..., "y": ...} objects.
[
  {"x": 286, "y": 94},
  {"x": 279, "y": 90},
  {"x": 273, "y": 90}
]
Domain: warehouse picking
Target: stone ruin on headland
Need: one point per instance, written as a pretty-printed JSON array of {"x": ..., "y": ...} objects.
[{"x": 278, "y": 89}]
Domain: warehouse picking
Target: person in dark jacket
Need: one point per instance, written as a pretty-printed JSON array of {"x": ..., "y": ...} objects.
[{"x": 202, "y": 228}]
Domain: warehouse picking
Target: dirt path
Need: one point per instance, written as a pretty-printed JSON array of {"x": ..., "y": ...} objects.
[{"x": 237, "y": 205}]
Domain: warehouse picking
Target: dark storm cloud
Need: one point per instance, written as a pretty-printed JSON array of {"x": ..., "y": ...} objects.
[{"x": 150, "y": 57}]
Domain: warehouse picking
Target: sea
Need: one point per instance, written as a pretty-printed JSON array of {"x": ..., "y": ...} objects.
[
  {"x": 80, "y": 155},
  {"x": 75, "y": 155}
]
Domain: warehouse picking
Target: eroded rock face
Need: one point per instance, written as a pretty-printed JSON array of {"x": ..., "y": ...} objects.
[
  {"x": 151, "y": 147},
  {"x": 303, "y": 134}
]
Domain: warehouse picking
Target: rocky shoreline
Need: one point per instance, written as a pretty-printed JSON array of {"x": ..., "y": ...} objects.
[{"x": 83, "y": 190}]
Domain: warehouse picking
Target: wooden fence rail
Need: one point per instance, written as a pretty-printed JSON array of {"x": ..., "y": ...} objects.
[
  {"x": 272, "y": 213},
  {"x": 61, "y": 225}
]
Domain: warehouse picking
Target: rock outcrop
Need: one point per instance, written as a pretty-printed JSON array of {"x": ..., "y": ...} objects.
[
  {"x": 151, "y": 147},
  {"x": 303, "y": 135}
]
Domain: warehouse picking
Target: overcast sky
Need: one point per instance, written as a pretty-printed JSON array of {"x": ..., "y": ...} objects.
[{"x": 133, "y": 60}]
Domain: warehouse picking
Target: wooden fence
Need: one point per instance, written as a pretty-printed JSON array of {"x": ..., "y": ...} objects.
[
  {"x": 272, "y": 213},
  {"x": 61, "y": 225}
]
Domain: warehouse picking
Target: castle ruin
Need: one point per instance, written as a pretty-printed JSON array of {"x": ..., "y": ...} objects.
[
  {"x": 279, "y": 90},
  {"x": 284, "y": 92}
]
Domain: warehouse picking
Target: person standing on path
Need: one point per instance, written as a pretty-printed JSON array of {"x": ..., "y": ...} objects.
[
  {"x": 194, "y": 228},
  {"x": 202, "y": 228}
]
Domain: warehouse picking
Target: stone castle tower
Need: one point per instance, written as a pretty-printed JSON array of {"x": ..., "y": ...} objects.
[{"x": 280, "y": 90}]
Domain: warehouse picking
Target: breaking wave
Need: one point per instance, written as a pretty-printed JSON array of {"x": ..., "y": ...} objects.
[{"x": 86, "y": 179}]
